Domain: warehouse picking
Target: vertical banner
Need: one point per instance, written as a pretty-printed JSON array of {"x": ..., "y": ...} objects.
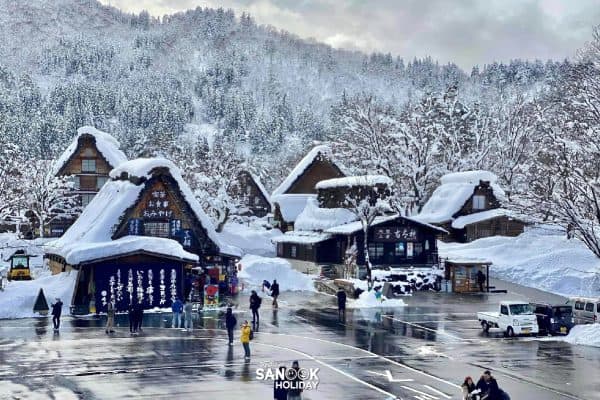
[{"x": 211, "y": 296}]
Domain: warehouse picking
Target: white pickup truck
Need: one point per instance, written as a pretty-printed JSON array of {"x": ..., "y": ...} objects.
[{"x": 513, "y": 318}]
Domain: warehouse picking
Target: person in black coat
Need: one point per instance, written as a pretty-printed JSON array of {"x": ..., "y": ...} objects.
[
  {"x": 132, "y": 318},
  {"x": 483, "y": 385},
  {"x": 279, "y": 391},
  {"x": 230, "y": 323},
  {"x": 480, "y": 280},
  {"x": 139, "y": 316},
  {"x": 56, "y": 312},
  {"x": 341, "y": 298},
  {"x": 254, "y": 306},
  {"x": 275, "y": 293}
]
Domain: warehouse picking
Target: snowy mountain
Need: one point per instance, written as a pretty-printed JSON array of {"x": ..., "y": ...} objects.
[{"x": 69, "y": 63}]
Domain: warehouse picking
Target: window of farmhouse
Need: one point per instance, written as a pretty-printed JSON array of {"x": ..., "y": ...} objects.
[
  {"x": 85, "y": 199},
  {"x": 256, "y": 200},
  {"x": 88, "y": 165},
  {"x": 293, "y": 251},
  {"x": 156, "y": 229},
  {"x": 101, "y": 181},
  {"x": 479, "y": 202},
  {"x": 375, "y": 250}
]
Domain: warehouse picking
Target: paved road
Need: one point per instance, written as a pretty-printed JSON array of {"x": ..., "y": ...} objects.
[{"x": 421, "y": 351}]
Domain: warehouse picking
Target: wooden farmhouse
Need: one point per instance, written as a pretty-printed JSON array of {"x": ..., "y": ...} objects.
[
  {"x": 469, "y": 206},
  {"x": 88, "y": 160},
  {"x": 254, "y": 195},
  {"x": 290, "y": 197},
  {"x": 328, "y": 233},
  {"x": 138, "y": 240}
]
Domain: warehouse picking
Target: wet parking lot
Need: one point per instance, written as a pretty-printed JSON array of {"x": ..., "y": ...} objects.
[{"x": 421, "y": 351}]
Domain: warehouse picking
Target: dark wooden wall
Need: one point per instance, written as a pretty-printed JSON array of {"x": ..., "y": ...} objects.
[
  {"x": 499, "y": 226},
  {"x": 248, "y": 189},
  {"x": 320, "y": 169}
]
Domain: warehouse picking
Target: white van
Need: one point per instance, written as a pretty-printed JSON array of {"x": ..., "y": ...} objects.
[{"x": 585, "y": 310}]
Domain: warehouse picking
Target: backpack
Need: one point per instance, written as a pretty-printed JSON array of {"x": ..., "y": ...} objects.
[
  {"x": 258, "y": 301},
  {"x": 252, "y": 336}
]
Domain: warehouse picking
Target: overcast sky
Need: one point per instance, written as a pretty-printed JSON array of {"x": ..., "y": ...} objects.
[{"x": 467, "y": 32}]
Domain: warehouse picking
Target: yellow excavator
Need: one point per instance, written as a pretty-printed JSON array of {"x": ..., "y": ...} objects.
[{"x": 19, "y": 267}]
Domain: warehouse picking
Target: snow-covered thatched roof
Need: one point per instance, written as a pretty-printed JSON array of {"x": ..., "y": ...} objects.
[
  {"x": 106, "y": 144},
  {"x": 356, "y": 226},
  {"x": 455, "y": 189},
  {"x": 350, "y": 181},
  {"x": 90, "y": 237},
  {"x": 461, "y": 222},
  {"x": 291, "y": 205},
  {"x": 314, "y": 218},
  {"x": 301, "y": 167},
  {"x": 302, "y": 237}
]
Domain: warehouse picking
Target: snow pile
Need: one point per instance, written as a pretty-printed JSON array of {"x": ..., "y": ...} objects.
[
  {"x": 256, "y": 269},
  {"x": 349, "y": 181},
  {"x": 17, "y": 300},
  {"x": 314, "y": 218},
  {"x": 106, "y": 144},
  {"x": 585, "y": 335},
  {"x": 541, "y": 257},
  {"x": 250, "y": 238},
  {"x": 454, "y": 191},
  {"x": 301, "y": 167},
  {"x": 368, "y": 300}
]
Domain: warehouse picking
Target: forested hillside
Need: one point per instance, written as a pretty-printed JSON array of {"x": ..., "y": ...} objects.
[{"x": 207, "y": 87}]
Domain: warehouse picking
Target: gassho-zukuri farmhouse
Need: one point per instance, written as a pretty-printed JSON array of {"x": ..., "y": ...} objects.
[{"x": 138, "y": 239}]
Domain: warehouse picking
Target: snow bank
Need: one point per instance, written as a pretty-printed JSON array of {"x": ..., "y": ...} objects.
[
  {"x": 585, "y": 335},
  {"x": 256, "y": 269},
  {"x": 368, "y": 300},
  {"x": 17, "y": 300},
  {"x": 541, "y": 257},
  {"x": 349, "y": 181},
  {"x": 251, "y": 239},
  {"x": 314, "y": 218}
]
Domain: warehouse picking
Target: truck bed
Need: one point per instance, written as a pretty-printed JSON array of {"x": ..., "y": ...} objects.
[{"x": 488, "y": 316}]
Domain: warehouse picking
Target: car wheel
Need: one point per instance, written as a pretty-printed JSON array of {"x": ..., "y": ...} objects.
[
  {"x": 510, "y": 332},
  {"x": 485, "y": 326}
]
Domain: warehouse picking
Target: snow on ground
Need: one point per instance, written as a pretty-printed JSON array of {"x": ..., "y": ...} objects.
[
  {"x": 255, "y": 269},
  {"x": 18, "y": 298},
  {"x": 368, "y": 300},
  {"x": 541, "y": 257},
  {"x": 585, "y": 335},
  {"x": 251, "y": 237}
]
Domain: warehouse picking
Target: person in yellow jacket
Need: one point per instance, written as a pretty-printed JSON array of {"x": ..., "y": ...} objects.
[{"x": 245, "y": 338}]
